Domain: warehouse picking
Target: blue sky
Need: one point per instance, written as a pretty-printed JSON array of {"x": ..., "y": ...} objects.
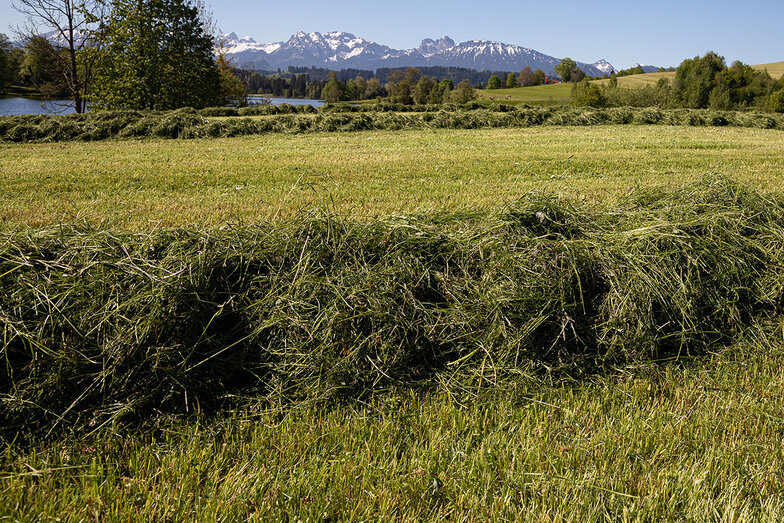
[{"x": 623, "y": 32}]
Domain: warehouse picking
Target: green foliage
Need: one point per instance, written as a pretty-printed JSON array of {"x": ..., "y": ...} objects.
[
  {"x": 776, "y": 103},
  {"x": 586, "y": 94},
  {"x": 494, "y": 82},
  {"x": 659, "y": 95},
  {"x": 464, "y": 93},
  {"x": 157, "y": 55},
  {"x": 42, "y": 67},
  {"x": 539, "y": 78},
  {"x": 695, "y": 79},
  {"x": 423, "y": 89},
  {"x": 511, "y": 81},
  {"x": 232, "y": 90},
  {"x": 400, "y": 84},
  {"x": 632, "y": 70},
  {"x": 701, "y": 83},
  {"x": 740, "y": 86},
  {"x": 566, "y": 69},
  {"x": 7, "y": 74},
  {"x": 333, "y": 91}
]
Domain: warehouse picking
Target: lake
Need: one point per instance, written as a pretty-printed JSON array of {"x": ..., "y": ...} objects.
[{"x": 18, "y": 105}]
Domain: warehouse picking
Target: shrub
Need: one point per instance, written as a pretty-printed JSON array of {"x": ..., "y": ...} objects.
[
  {"x": 776, "y": 102},
  {"x": 586, "y": 94}
]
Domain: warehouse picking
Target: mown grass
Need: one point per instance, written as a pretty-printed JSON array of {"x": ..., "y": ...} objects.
[
  {"x": 141, "y": 185},
  {"x": 105, "y": 327},
  {"x": 567, "y": 431},
  {"x": 665, "y": 443}
]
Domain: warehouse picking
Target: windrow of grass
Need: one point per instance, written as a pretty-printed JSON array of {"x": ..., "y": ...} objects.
[
  {"x": 190, "y": 124},
  {"x": 99, "y": 326}
]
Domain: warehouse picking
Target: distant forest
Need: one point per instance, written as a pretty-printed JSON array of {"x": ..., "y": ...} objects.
[{"x": 308, "y": 82}]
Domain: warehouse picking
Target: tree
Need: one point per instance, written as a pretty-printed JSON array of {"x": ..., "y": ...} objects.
[
  {"x": 400, "y": 83},
  {"x": 464, "y": 92},
  {"x": 351, "y": 92},
  {"x": 526, "y": 77},
  {"x": 333, "y": 91},
  {"x": 511, "y": 80},
  {"x": 157, "y": 55},
  {"x": 565, "y": 68},
  {"x": 71, "y": 23},
  {"x": 361, "y": 84},
  {"x": 776, "y": 102},
  {"x": 695, "y": 79},
  {"x": 422, "y": 89},
  {"x": 41, "y": 67},
  {"x": 374, "y": 89},
  {"x": 539, "y": 78},
  {"x": 6, "y": 72},
  {"x": 232, "y": 89},
  {"x": 494, "y": 82}
]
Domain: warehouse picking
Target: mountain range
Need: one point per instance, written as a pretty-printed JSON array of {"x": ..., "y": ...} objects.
[{"x": 339, "y": 50}]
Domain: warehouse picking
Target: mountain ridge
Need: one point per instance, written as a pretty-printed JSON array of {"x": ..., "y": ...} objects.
[{"x": 339, "y": 49}]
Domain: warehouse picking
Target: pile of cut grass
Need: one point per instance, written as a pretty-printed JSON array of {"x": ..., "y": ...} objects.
[
  {"x": 188, "y": 123},
  {"x": 98, "y": 326}
]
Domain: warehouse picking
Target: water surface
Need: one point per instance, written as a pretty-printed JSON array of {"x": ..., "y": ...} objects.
[{"x": 19, "y": 105}]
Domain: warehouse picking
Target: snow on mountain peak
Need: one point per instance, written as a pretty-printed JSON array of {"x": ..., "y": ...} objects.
[
  {"x": 604, "y": 66},
  {"x": 344, "y": 50}
]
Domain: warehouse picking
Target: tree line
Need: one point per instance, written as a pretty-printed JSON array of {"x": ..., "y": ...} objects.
[
  {"x": 404, "y": 86},
  {"x": 700, "y": 83}
]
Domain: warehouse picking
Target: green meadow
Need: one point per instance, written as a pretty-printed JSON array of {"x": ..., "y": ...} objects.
[
  {"x": 551, "y": 94},
  {"x": 147, "y": 184},
  {"x": 553, "y": 323}
]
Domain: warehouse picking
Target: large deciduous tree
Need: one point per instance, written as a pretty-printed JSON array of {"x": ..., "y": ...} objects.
[
  {"x": 695, "y": 79},
  {"x": 564, "y": 69},
  {"x": 494, "y": 82},
  {"x": 157, "y": 54},
  {"x": 464, "y": 92},
  {"x": 526, "y": 77},
  {"x": 68, "y": 25}
]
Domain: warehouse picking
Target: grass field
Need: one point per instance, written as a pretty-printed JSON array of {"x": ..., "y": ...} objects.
[
  {"x": 692, "y": 439},
  {"x": 673, "y": 443},
  {"x": 640, "y": 80},
  {"x": 537, "y": 94},
  {"x": 151, "y": 183},
  {"x": 775, "y": 69}
]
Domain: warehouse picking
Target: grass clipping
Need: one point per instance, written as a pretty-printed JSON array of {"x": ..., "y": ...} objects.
[{"x": 97, "y": 326}]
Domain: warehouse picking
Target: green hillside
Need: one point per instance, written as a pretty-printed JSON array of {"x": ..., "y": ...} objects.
[
  {"x": 775, "y": 69},
  {"x": 557, "y": 93},
  {"x": 537, "y": 94}
]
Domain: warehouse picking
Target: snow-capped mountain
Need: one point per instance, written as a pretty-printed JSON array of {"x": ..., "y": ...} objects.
[
  {"x": 339, "y": 50},
  {"x": 604, "y": 66}
]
